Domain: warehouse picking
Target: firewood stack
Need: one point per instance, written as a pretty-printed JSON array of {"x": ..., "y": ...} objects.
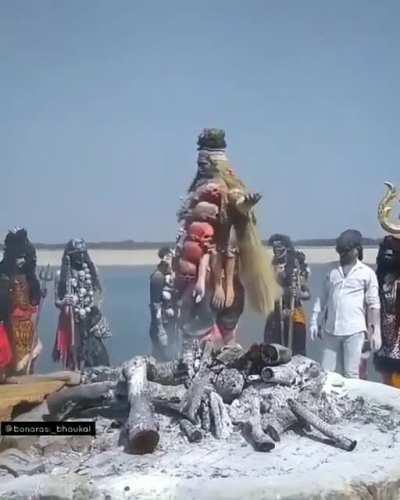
[{"x": 263, "y": 392}]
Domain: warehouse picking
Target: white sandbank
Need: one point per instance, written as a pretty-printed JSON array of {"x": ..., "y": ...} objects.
[{"x": 315, "y": 255}]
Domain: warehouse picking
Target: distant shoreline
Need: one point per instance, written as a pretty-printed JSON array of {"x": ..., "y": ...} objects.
[
  {"x": 148, "y": 257},
  {"x": 131, "y": 245}
]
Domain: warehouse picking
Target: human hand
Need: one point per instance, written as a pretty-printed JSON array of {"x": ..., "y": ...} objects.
[
  {"x": 315, "y": 331},
  {"x": 198, "y": 292},
  {"x": 375, "y": 340},
  {"x": 247, "y": 202},
  {"x": 69, "y": 300}
]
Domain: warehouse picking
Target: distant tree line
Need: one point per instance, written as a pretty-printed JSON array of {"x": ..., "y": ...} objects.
[{"x": 150, "y": 245}]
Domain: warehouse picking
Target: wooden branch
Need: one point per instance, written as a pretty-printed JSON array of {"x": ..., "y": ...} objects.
[
  {"x": 220, "y": 420},
  {"x": 283, "y": 375},
  {"x": 307, "y": 416},
  {"x": 142, "y": 427},
  {"x": 83, "y": 396},
  {"x": 279, "y": 422},
  {"x": 260, "y": 440},
  {"x": 192, "y": 432},
  {"x": 199, "y": 386},
  {"x": 205, "y": 415}
]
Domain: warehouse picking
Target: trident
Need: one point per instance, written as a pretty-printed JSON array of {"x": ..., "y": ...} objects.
[{"x": 45, "y": 275}]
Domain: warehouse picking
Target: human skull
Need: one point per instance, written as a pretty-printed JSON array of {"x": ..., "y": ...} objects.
[
  {"x": 205, "y": 211},
  {"x": 187, "y": 271},
  {"x": 210, "y": 192},
  {"x": 202, "y": 233},
  {"x": 192, "y": 251}
]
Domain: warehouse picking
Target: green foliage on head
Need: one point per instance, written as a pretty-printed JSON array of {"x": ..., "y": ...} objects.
[{"x": 212, "y": 138}]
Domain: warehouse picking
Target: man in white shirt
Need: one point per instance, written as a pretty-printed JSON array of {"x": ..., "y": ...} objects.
[{"x": 349, "y": 308}]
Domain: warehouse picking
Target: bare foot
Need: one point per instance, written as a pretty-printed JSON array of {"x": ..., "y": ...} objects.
[{"x": 219, "y": 297}]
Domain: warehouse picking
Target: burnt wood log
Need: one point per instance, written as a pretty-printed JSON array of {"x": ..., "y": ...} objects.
[
  {"x": 205, "y": 415},
  {"x": 305, "y": 367},
  {"x": 229, "y": 384},
  {"x": 283, "y": 375},
  {"x": 192, "y": 432},
  {"x": 220, "y": 420},
  {"x": 277, "y": 354},
  {"x": 142, "y": 427},
  {"x": 260, "y": 440},
  {"x": 278, "y": 423},
  {"x": 199, "y": 386},
  {"x": 327, "y": 430},
  {"x": 166, "y": 373},
  {"x": 63, "y": 402}
]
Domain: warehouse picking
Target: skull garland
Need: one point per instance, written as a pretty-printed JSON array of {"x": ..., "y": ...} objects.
[
  {"x": 199, "y": 240},
  {"x": 201, "y": 233}
]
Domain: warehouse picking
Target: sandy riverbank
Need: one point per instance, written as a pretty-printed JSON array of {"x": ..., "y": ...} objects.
[{"x": 315, "y": 255}]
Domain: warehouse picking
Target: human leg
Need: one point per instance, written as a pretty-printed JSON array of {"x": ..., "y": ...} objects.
[
  {"x": 352, "y": 347},
  {"x": 332, "y": 345}
]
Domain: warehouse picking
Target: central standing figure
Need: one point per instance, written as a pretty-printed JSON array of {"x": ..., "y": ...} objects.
[
  {"x": 82, "y": 326},
  {"x": 219, "y": 259}
]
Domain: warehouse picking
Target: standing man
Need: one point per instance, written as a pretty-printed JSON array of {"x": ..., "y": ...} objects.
[
  {"x": 292, "y": 274},
  {"x": 349, "y": 308}
]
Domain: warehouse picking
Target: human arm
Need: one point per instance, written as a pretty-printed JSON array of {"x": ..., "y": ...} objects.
[
  {"x": 319, "y": 307},
  {"x": 373, "y": 312},
  {"x": 200, "y": 286}
]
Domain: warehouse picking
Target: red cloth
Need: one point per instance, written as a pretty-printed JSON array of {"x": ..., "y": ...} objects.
[
  {"x": 5, "y": 348},
  {"x": 63, "y": 345},
  {"x": 220, "y": 336}
]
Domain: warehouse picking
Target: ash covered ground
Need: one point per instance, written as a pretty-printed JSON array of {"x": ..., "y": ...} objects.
[{"x": 304, "y": 464}]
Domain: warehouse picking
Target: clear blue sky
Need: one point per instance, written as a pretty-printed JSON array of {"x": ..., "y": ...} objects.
[{"x": 102, "y": 101}]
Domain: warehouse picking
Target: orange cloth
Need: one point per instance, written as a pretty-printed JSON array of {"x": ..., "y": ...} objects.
[
  {"x": 299, "y": 316},
  {"x": 22, "y": 319},
  {"x": 395, "y": 381}
]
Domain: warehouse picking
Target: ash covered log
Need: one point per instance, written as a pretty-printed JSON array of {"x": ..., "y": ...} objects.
[
  {"x": 305, "y": 367},
  {"x": 199, "y": 386},
  {"x": 253, "y": 428},
  {"x": 314, "y": 421},
  {"x": 205, "y": 414},
  {"x": 283, "y": 375},
  {"x": 142, "y": 427},
  {"x": 229, "y": 384},
  {"x": 278, "y": 423},
  {"x": 192, "y": 432},
  {"x": 221, "y": 423},
  {"x": 277, "y": 354},
  {"x": 83, "y": 396}
]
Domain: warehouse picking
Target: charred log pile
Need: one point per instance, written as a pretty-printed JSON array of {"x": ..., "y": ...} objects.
[{"x": 263, "y": 392}]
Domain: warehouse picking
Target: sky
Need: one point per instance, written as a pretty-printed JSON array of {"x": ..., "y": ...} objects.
[{"x": 101, "y": 104}]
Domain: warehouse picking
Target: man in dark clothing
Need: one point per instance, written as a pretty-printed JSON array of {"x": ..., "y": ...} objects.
[
  {"x": 161, "y": 308},
  {"x": 292, "y": 274}
]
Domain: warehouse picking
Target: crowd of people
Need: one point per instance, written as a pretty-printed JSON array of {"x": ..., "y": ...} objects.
[{"x": 199, "y": 289}]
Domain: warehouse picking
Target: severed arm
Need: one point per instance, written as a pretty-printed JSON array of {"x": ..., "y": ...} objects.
[
  {"x": 218, "y": 299},
  {"x": 200, "y": 286}
]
